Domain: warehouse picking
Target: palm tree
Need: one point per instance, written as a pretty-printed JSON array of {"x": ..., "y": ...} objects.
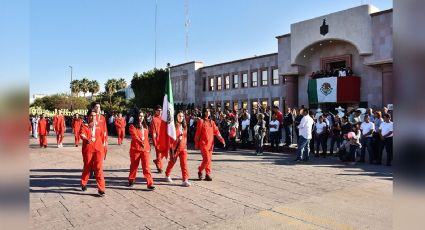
[
  {"x": 110, "y": 88},
  {"x": 121, "y": 84},
  {"x": 84, "y": 85},
  {"x": 75, "y": 87},
  {"x": 94, "y": 87}
]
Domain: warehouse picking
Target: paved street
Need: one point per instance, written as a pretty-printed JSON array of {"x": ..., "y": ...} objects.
[{"x": 247, "y": 192}]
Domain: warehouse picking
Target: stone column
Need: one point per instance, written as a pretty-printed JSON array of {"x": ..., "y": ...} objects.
[
  {"x": 291, "y": 91},
  {"x": 387, "y": 84}
]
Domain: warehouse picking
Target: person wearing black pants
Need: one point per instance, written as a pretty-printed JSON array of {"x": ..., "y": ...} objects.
[
  {"x": 274, "y": 133},
  {"x": 321, "y": 136},
  {"x": 386, "y": 132},
  {"x": 335, "y": 135}
]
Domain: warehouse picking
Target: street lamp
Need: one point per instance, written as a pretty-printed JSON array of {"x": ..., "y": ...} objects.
[{"x": 71, "y": 87}]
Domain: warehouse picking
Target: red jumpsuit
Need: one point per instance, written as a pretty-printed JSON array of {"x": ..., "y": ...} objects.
[
  {"x": 76, "y": 125},
  {"x": 155, "y": 130},
  {"x": 42, "y": 132},
  {"x": 120, "y": 127},
  {"x": 204, "y": 140},
  {"x": 93, "y": 153},
  {"x": 140, "y": 151},
  {"x": 59, "y": 125},
  {"x": 102, "y": 122},
  {"x": 181, "y": 152}
]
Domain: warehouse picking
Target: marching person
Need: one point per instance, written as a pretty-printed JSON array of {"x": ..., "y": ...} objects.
[
  {"x": 102, "y": 122},
  {"x": 120, "y": 127},
  {"x": 140, "y": 150},
  {"x": 94, "y": 141},
  {"x": 204, "y": 140},
  {"x": 59, "y": 128},
  {"x": 179, "y": 150},
  {"x": 42, "y": 131},
  {"x": 76, "y": 125},
  {"x": 155, "y": 130}
]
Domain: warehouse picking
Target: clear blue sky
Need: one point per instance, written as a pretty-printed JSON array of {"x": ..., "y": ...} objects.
[{"x": 105, "y": 39}]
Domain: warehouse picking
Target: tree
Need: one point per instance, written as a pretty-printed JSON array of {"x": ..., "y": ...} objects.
[
  {"x": 149, "y": 88},
  {"x": 84, "y": 86},
  {"x": 60, "y": 101},
  {"x": 94, "y": 87},
  {"x": 121, "y": 84},
  {"x": 110, "y": 88},
  {"x": 75, "y": 87}
]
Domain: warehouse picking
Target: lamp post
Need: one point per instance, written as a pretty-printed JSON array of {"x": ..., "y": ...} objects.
[{"x": 71, "y": 86}]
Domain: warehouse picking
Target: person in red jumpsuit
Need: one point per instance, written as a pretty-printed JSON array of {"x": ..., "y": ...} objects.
[
  {"x": 120, "y": 127},
  {"x": 155, "y": 130},
  {"x": 42, "y": 131},
  {"x": 93, "y": 151},
  {"x": 206, "y": 129},
  {"x": 76, "y": 125},
  {"x": 140, "y": 150},
  {"x": 179, "y": 150},
  {"x": 59, "y": 127},
  {"x": 102, "y": 121}
]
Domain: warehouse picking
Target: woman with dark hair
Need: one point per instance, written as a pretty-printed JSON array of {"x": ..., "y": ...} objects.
[
  {"x": 179, "y": 149},
  {"x": 204, "y": 140},
  {"x": 140, "y": 150}
]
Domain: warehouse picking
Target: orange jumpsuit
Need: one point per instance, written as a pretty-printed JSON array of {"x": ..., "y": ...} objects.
[
  {"x": 181, "y": 152},
  {"x": 76, "y": 125},
  {"x": 102, "y": 122},
  {"x": 93, "y": 153},
  {"x": 155, "y": 130},
  {"x": 42, "y": 132},
  {"x": 140, "y": 151},
  {"x": 59, "y": 124},
  {"x": 204, "y": 140},
  {"x": 120, "y": 127}
]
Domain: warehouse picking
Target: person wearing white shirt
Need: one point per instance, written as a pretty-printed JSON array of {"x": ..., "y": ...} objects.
[
  {"x": 367, "y": 128},
  {"x": 386, "y": 133},
  {"x": 245, "y": 130},
  {"x": 321, "y": 136},
  {"x": 305, "y": 129},
  {"x": 274, "y": 132}
]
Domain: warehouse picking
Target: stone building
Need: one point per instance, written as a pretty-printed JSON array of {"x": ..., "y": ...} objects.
[{"x": 359, "y": 38}]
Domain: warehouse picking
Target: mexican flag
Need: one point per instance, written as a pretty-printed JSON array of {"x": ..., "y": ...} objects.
[
  {"x": 334, "y": 90},
  {"x": 167, "y": 132}
]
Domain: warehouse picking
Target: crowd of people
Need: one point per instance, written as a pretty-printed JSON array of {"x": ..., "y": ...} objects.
[
  {"x": 335, "y": 72},
  {"x": 350, "y": 135}
]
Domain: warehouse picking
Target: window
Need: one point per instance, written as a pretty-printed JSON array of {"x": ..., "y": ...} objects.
[
  {"x": 235, "y": 105},
  {"x": 211, "y": 83},
  {"x": 254, "y": 105},
  {"x": 219, "y": 83},
  {"x": 235, "y": 81},
  {"x": 276, "y": 102},
  {"x": 244, "y": 105},
  {"x": 264, "y": 77},
  {"x": 264, "y": 103},
  {"x": 254, "y": 79},
  {"x": 204, "y": 84},
  {"x": 275, "y": 76},
  {"x": 244, "y": 80},
  {"x": 227, "y": 82}
]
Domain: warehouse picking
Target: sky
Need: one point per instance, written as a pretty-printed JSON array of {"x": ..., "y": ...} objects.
[{"x": 105, "y": 39}]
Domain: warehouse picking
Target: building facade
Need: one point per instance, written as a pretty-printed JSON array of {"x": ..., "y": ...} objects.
[{"x": 359, "y": 38}]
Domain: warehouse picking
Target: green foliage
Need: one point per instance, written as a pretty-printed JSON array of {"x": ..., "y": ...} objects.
[
  {"x": 149, "y": 88},
  {"x": 75, "y": 87},
  {"x": 84, "y": 85},
  {"x": 60, "y": 101},
  {"x": 94, "y": 87},
  {"x": 121, "y": 84}
]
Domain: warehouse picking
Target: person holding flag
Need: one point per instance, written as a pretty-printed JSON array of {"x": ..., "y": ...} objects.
[
  {"x": 167, "y": 130},
  {"x": 120, "y": 127},
  {"x": 204, "y": 140},
  {"x": 179, "y": 149},
  {"x": 59, "y": 127},
  {"x": 155, "y": 129},
  {"x": 76, "y": 125}
]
